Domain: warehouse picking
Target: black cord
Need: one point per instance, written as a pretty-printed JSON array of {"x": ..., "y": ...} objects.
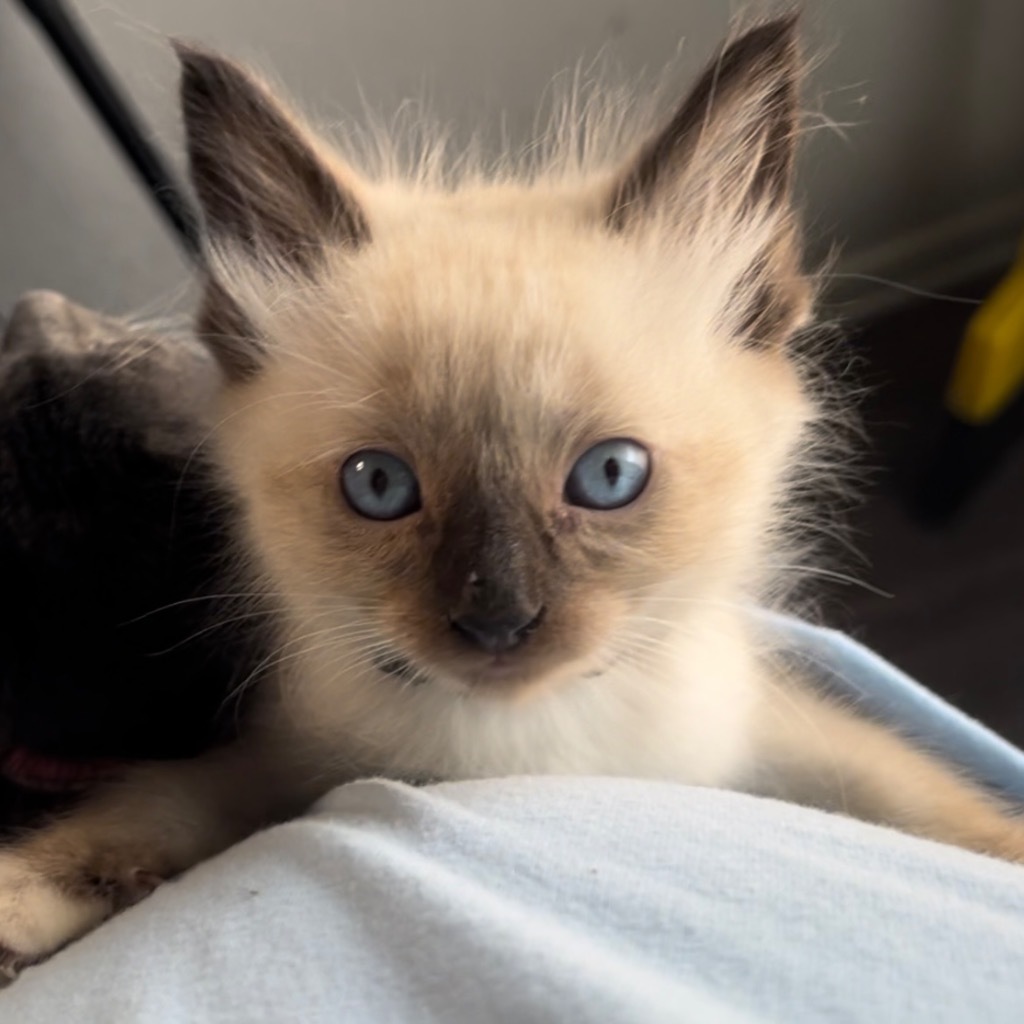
[{"x": 115, "y": 111}]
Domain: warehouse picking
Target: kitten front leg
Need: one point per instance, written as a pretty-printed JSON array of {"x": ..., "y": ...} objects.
[
  {"x": 109, "y": 852},
  {"x": 814, "y": 752}
]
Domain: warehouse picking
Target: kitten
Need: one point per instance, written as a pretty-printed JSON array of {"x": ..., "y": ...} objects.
[
  {"x": 515, "y": 454},
  {"x": 112, "y": 532}
]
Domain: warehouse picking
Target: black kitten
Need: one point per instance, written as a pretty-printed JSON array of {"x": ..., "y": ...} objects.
[{"x": 114, "y": 540}]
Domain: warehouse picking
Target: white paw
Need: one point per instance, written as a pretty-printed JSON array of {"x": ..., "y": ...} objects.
[{"x": 36, "y": 916}]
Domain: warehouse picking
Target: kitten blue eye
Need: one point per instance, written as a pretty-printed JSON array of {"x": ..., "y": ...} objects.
[
  {"x": 609, "y": 475},
  {"x": 379, "y": 486}
]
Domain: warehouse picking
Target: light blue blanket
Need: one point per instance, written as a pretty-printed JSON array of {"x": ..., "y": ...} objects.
[
  {"x": 881, "y": 689},
  {"x": 572, "y": 900}
]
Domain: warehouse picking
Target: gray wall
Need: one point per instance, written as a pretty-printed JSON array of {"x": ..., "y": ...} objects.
[{"x": 925, "y": 182}]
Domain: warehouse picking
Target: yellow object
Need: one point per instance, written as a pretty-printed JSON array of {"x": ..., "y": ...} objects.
[{"x": 989, "y": 369}]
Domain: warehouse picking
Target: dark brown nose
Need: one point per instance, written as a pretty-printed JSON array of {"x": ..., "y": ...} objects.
[{"x": 497, "y": 633}]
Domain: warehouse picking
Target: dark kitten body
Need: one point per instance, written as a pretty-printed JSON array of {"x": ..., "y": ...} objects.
[{"x": 113, "y": 536}]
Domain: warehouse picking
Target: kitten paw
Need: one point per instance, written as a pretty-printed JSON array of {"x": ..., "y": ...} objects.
[{"x": 40, "y": 914}]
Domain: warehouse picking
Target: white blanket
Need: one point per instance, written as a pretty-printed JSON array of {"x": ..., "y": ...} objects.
[{"x": 555, "y": 899}]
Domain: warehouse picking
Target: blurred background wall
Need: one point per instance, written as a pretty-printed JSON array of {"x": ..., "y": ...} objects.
[{"x": 924, "y": 184}]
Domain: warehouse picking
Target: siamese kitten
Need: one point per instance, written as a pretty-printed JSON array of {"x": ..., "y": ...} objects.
[{"x": 516, "y": 452}]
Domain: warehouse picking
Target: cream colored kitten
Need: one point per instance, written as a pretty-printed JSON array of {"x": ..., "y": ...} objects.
[{"x": 515, "y": 453}]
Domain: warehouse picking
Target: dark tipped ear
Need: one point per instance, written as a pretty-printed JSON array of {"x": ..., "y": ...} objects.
[
  {"x": 261, "y": 184},
  {"x": 738, "y": 125},
  {"x": 723, "y": 166},
  {"x": 268, "y": 199}
]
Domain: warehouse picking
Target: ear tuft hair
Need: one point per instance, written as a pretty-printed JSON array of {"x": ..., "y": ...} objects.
[
  {"x": 722, "y": 168},
  {"x": 260, "y": 179},
  {"x": 268, "y": 198},
  {"x": 737, "y": 124}
]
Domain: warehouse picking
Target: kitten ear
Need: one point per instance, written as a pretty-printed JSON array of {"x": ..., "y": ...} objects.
[
  {"x": 722, "y": 170},
  {"x": 268, "y": 198},
  {"x": 738, "y": 124},
  {"x": 261, "y": 182}
]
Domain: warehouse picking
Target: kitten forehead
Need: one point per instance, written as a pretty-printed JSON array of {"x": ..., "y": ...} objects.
[{"x": 484, "y": 328}]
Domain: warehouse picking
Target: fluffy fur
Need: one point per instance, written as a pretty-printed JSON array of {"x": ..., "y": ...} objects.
[
  {"x": 112, "y": 534},
  {"x": 488, "y": 330}
]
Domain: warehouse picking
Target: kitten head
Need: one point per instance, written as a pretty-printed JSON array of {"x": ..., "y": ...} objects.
[{"x": 503, "y": 429}]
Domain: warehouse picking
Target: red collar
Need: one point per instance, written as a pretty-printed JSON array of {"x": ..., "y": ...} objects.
[{"x": 54, "y": 774}]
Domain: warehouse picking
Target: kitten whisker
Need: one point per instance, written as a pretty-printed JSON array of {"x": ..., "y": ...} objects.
[
  {"x": 902, "y": 286},
  {"x": 830, "y": 574}
]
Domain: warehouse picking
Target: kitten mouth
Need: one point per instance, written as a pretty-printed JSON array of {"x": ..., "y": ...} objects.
[{"x": 499, "y": 671}]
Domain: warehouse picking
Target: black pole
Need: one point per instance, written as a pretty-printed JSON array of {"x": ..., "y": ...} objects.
[{"x": 114, "y": 110}]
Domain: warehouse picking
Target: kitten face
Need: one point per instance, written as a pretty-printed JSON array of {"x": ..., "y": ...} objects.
[{"x": 450, "y": 358}]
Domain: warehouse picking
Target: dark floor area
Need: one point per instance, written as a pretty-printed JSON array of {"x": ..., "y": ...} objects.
[{"x": 955, "y": 619}]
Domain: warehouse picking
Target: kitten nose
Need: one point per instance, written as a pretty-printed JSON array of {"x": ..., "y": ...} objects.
[{"x": 496, "y": 634}]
